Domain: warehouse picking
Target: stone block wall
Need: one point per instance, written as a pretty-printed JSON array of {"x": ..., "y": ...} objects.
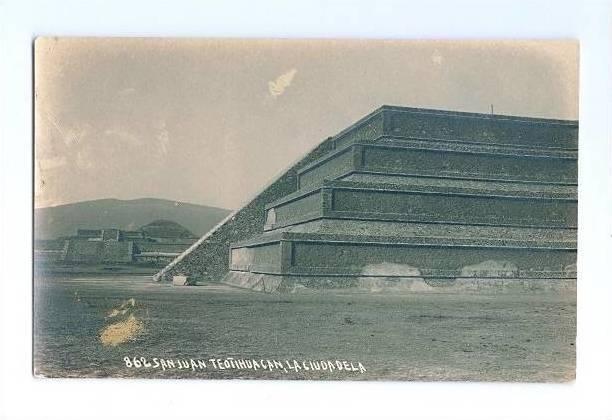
[
  {"x": 457, "y": 208},
  {"x": 347, "y": 258},
  {"x": 491, "y": 166}
]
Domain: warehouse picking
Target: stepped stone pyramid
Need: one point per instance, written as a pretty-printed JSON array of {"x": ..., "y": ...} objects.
[{"x": 420, "y": 198}]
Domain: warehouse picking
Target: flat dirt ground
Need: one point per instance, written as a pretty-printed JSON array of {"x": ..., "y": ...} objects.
[{"x": 87, "y": 326}]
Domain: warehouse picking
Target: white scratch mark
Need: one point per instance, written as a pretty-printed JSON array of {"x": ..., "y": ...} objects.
[{"x": 282, "y": 82}]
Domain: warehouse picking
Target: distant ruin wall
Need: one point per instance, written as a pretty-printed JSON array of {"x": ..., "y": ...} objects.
[
  {"x": 208, "y": 259},
  {"x": 98, "y": 252}
]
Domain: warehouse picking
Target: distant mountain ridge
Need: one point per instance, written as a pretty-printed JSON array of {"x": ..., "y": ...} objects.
[{"x": 64, "y": 220}]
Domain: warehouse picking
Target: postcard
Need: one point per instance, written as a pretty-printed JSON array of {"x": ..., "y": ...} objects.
[{"x": 389, "y": 210}]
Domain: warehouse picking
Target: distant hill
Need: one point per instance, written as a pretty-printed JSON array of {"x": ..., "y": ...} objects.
[{"x": 64, "y": 220}]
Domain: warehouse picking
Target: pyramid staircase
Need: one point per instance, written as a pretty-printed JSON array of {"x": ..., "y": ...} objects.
[{"x": 431, "y": 195}]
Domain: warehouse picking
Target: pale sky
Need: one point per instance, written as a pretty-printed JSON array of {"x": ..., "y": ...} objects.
[{"x": 213, "y": 121}]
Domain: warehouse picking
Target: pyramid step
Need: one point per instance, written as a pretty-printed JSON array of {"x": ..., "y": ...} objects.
[
  {"x": 472, "y": 146},
  {"x": 428, "y": 158},
  {"x": 493, "y": 187},
  {"x": 428, "y": 204},
  {"x": 464, "y": 127},
  {"x": 406, "y": 230},
  {"x": 345, "y": 255},
  {"x": 481, "y": 128}
]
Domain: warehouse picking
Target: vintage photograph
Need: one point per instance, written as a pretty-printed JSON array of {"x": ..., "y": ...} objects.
[{"x": 318, "y": 209}]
